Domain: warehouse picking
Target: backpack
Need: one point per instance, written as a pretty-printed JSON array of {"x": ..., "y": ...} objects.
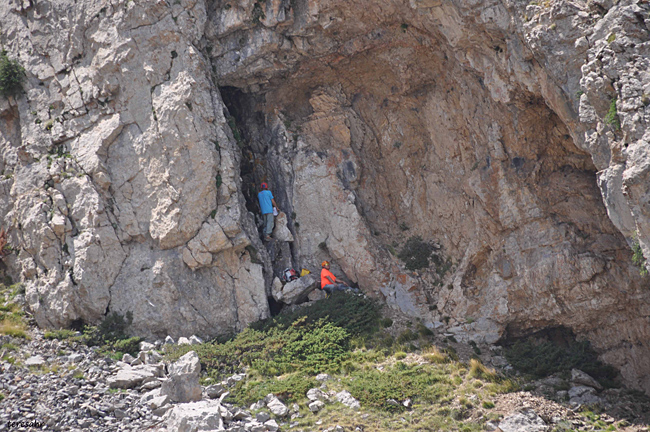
[{"x": 289, "y": 274}]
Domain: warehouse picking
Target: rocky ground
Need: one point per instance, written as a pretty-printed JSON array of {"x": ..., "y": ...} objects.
[{"x": 62, "y": 385}]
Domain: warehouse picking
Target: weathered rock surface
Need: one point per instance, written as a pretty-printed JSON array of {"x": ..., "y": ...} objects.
[
  {"x": 113, "y": 176},
  {"x": 182, "y": 384},
  {"x": 512, "y": 136}
]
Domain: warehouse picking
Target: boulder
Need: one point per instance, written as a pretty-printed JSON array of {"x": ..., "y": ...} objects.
[
  {"x": 195, "y": 340},
  {"x": 583, "y": 395},
  {"x": 316, "y": 406},
  {"x": 152, "y": 357},
  {"x": 275, "y": 405},
  {"x": 346, "y": 399},
  {"x": 298, "y": 289},
  {"x": 317, "y": 294},
  {"x": 214, "y": 391},
  {"x": 526, "y": 420},
  {"x": 317, "y": 394},
  {"x": 157, "y": 402},
  {"x": 182, "y": 385},
  {"x": 146, "y": 346},
  {"x": 132, "y": 376},
  {"x": 184, "y": 341},
  {"x": 187, "y": 364},
  {"x": 323, "y": 377},
  {"x": 271, "y": 425},
  {"x": 580, "y": 377},
  {"x": 194, "y": 416},
  {"x": 36, "y": 361}
]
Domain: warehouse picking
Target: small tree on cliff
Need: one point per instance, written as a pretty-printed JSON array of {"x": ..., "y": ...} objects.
[{"x": 12, "y": 75}]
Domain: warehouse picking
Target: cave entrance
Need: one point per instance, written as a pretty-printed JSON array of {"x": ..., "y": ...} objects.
[{"x": 244, "y": 120}]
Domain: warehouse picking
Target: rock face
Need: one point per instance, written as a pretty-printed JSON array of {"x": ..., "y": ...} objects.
[
  {"x": 121, "y": 172},
  {"x": 511, "y": 139}
]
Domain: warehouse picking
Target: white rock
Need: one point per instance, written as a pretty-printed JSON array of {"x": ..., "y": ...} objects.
[
  {"x": 195, "y": 340},
  {"x": 169, "y": 340},
  {"x": 317, "y": 394},
  {"x": 257, "y": 405},
  {"x": 275, "y": 405},
  {"x": 316, "y": 405},
  {"x": 130, "y": 377},
  {"x": 346, "y": 399},
  {"x": 184, "y": 341},
  {"x": 214, "y": 391},
  {"x": 146, "y": 346},
  {"x": 182, "y": 385},
  {"x": 271, "y": 425},
  {"x": 526, "y": 420},
  {"x": 152, "y": 357},
  {"x": 157, "y": 402},
  {"x": 194, "y": 416},
  {"x": 322, "y": 377},
  {"x": 75, "y": 357},
  {"x": 36, "y": 360}
]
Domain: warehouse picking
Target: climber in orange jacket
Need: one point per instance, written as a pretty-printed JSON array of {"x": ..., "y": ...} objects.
[{"x": 328, "y": 281}]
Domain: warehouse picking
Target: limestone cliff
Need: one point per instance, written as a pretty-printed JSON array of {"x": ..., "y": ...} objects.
[{"x": 511, "y": 137}]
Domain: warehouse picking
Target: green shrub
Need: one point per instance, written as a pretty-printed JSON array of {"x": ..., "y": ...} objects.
[
  {"x": 543, "y": 358},
  {"x": 406, "y": 336},
  {"x": 359, "y": 316},
  {"x": 12, "y": 75},
  {"x": 612, "y": 116},
  {"x": 59, "y": 334},
  {"x": 423, "y": 330},
  {"x": 312, "y": 340},
  {"x": 637, "y": 257},
  {"x": 420, "y": 383},
  {"x": 130, "y": 345},
  {"x": 308, "y": 347},
  {"x": 386, "y": 322},
  {"x": 290, "y": 388},
  {"x": 400, "y": 355},
  {"x": 416, "y": 253}
]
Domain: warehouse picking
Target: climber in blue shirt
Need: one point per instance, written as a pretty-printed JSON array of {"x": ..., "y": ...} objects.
[{"x": 267, "y": 205}]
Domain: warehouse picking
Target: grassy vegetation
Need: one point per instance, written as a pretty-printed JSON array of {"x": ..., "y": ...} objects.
[
  {"x": 346, "y": 337},
  {"x": 12, "y": 317},
  {"x": 543, "y": 358},
  {"x": 110, "y": 336},
  {"x": 612, "y": 116},
  {"x": 637, "y": 257}
]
